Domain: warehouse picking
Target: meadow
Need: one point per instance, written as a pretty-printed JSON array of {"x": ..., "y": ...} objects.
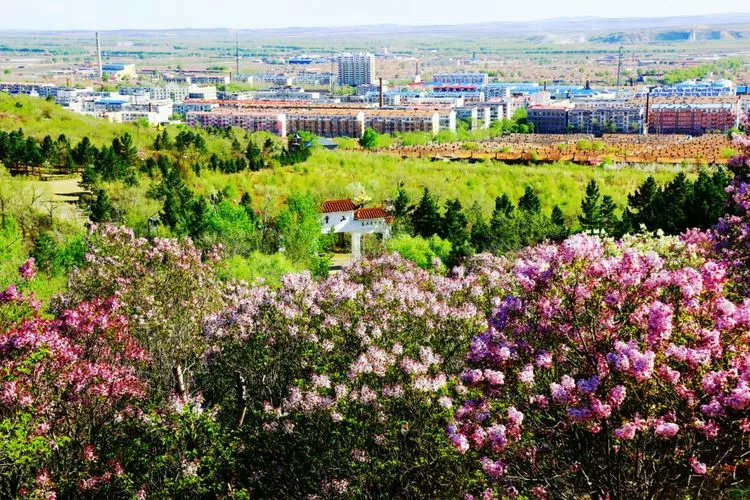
[{"x": 337, "y": 174}]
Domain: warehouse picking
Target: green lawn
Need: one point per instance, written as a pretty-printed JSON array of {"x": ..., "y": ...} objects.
[{"x": 334, "y": 174}]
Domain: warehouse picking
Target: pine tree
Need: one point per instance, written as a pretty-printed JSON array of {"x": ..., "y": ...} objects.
[
  {"x": 425, "y": 217},
  {"x": 641, "y": 208},
  {"x": 672, "y": 204},
  {"x": 453, "y": 227},
  {"x": 481, "y": 237},
  {"x": 504, "y": 205},
  {"x": 530, "y": 202},
  {"x": 402, "y": 201},
  {"x": 44, "y": 251},
  {"x": 591, "y": 217},
  {"x": 608, "y": 218},
  {"x": 557, "y": 216},
  {"x": 101, "y": 209}
]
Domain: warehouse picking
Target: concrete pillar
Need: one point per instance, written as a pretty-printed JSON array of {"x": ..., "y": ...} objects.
[{"x": 356, "y": 245}]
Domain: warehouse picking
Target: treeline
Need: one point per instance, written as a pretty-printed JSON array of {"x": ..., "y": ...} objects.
[{"x": 672, "y": 208}]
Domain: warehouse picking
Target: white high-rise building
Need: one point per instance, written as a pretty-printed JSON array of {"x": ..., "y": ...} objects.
[{"x": 356, "y": 69}]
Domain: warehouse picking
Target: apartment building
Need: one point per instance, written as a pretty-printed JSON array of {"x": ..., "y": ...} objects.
[
  {"x": 250, "y": 120},
  {"x": 37, "y": 89},
  {"x": 548, "y": 119},
  {"x": 209, "y": 79},
  {"x": 693, "y": 88},
  {"x": 693, "y": 117},
  {"x": 610, "y": 117},
  {"x": 470, "y": 93},
  {"x": 389, "y": 121},
  {"x": 461, "y": 78},
  {"x": 330, "y": 122},
  {"x": 356, "y": 69}
]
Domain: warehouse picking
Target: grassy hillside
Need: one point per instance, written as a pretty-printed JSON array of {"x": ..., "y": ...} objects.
[
  {"x": 38, "y": 117},
  {"x": 333, "y": 175}
]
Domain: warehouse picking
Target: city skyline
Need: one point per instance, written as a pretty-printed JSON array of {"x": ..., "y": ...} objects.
[{"x": 198, "y": 14}]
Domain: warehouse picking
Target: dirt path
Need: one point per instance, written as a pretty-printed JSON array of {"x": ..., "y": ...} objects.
[{"x": 60, "y": 197}]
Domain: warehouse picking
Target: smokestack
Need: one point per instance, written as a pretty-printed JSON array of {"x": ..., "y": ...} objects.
[
  {"x": 381, "y": 91},
  {"x": 648, "y": 110},
  {"x": 99, "y": 57},
  {"x": 237, "y": 56}
]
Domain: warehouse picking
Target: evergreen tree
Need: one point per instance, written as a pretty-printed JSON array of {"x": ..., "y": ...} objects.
[
  {"x": 402, "y": 201},
  {"x": 591, "y": 217},
  {"x": 425, "y": 217},
  {"x": 453, "y": 227},
  {"x": 481, "y": 236},
  {"x": 530, "y": 202},
  {"x": 671, "y": 206},
  {"x": 707, "y": 200},
  {"x": 608, "y": 218},
  {"x": 504, "y": 205},
  {"x": 44, "y": 252},
  {"x": 101, "y": 209},
  {"x": 557, "y": 216},
  {"x": 641, "y": 209}
]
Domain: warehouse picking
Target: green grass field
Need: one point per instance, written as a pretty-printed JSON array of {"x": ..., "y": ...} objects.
[{"x": 334, "y": 174}]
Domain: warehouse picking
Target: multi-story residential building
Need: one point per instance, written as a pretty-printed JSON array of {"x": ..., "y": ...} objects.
[
  {"x": 548, "y": 119},
  {"x": 209, "y": 79},
  {"x": 185, "y": 107},
  {"x": 389, "y": 121},
  {"x": 693, "y": 88},
  {"x": 688, "y": 117},
  {"x": 503, "y": 108},
  {"x": 468, "y": 115},
  {"x": 207, "y": 93},
  {"x": 356, "y": 69},
  {"x": 251, "y": 120},
  {"x": 314, "y": 78},
  {"x": 470, "y": 93},
  {"x": 478, "y": 79},
  {"x": 286, "y": 93},
  {"x": 610, "y": 117},
  {"x": 38, "y": 89},
  {"x": 327, "y": 122},
  {"x": 178, "y": 79},
  {"x": 268, "y": 77}
]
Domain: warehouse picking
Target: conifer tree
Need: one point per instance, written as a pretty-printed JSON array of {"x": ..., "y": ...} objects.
[
  {"x": 425, "y": 217},
  {"x": 530, "y": 202},
  {"x": 590, "y": 219}
]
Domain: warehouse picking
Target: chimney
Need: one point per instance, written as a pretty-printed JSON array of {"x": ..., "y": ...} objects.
[
  {"x": 381, "y": 91},
  {"x": 99, "y": 57}
]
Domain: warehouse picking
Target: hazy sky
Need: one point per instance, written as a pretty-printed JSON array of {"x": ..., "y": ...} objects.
[{"x": 154, "y": 14}]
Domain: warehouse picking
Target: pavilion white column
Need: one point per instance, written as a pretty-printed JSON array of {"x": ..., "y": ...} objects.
[{"x": 356, "y": 245}]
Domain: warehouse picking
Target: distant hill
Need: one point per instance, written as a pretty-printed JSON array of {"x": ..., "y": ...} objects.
[{"x": 574, "y": 29}]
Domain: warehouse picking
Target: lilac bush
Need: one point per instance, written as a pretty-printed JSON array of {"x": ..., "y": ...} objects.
[
  {"x": 610, "y": 370},
  {"x": 347, "y": 383}
]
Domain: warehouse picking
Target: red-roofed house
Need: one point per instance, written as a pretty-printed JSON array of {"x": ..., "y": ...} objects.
[{"x": 343, "y": 216}]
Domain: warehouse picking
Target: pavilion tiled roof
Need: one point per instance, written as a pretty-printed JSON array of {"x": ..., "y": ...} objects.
[
  {"x": 346, "y": 205},
  {"x": 370, "y": 213}
]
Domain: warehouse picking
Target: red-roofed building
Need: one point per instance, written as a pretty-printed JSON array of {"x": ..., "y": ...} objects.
[{"x": 343, "y": 216}]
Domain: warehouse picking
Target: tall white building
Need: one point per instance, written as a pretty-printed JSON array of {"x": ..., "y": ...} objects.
[{"x": 356, "y": 69}]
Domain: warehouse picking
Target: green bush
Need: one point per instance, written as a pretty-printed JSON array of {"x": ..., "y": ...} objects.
[{"x": 421, "y": 251}]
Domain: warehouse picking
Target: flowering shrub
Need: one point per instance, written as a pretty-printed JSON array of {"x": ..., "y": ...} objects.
[
  {"x": 732, "y": 233},
  {"x": 165, "y": 287},
  {"x": 347, "y": 383},
  {"x": 608, "y": 370}
]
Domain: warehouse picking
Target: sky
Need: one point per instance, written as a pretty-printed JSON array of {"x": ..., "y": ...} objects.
[{"x": 251, "y": 14}]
